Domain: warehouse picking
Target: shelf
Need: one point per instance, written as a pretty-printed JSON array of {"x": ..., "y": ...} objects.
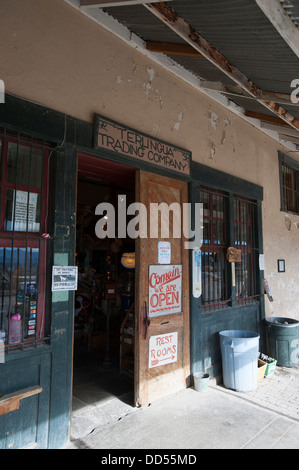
[{"x": 127, "y": 330}]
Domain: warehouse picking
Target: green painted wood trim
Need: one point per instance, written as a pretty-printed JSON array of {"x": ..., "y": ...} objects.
[
  {"x": 58, "y": 129},
  {"x": 225, "y": 182},
  {"x": 64, "y": 167}
]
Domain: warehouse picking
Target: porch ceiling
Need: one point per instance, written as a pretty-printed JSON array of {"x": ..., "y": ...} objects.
[{"x": 242, "y": 53}]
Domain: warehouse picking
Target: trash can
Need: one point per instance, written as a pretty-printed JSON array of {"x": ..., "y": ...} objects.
[
  {"x": 239, "y": 351},
  {"x": 283, "y": 340}
]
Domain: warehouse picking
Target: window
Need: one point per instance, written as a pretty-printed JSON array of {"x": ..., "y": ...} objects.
[
  {"x": 289, "y": 184},
  {"x": 223, "y": 228},
  {"x": 214, "y": 290},
  {"x": 244, "y": 241},
  {"x": 22, "y": 247}
]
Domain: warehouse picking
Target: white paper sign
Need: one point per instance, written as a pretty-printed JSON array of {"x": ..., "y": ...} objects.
[
  {"x": 196, "y": 267},
  {"x": 163, "y": 349},
  {"x": 165, "y": 289},
  {"x": 64, "y": 278},
  {"x": 164, "y": 252},
  {"x": 24, "y": 211}
]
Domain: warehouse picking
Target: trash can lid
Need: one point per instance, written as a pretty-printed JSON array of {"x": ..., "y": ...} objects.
[
  {"x": 282, "y": 322},
  {"x": 239, "y": 334}
]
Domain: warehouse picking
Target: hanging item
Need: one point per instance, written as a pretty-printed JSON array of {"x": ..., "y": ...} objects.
[
  {"x": 196, "y": 273},
  {"x": 233, "y": 255},
  {"x": 128, "y": 260}
]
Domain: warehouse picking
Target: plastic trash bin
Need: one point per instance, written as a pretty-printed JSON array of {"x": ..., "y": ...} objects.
[
  {"x": 283, "y": 340},
  {"x": 239, "y": 351}
]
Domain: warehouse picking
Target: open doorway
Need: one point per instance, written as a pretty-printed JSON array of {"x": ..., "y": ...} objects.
[{"x": 103, "y": 356}]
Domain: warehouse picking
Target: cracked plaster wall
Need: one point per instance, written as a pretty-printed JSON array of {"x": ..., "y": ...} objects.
[{"x": 54, "y": 56}]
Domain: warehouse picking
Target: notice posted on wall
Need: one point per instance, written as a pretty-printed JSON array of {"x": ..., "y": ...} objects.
[
  {"x": 165, "y": 289},
  {"x": 64, "y": 278}
]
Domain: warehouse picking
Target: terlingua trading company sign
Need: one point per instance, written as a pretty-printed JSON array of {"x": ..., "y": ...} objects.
[{"x": 115, "y": 137}]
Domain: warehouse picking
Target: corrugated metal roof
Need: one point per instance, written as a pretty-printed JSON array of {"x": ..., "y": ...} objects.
[
  {"x": 239, "y": 30},
  {"x": 242, "y": 33},
  {"x": 292, "y": 9}
]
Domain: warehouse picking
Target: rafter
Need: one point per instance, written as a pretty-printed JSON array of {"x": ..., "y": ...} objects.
[
  {"x": 113, "y": 3},
  {"x": 172, "y": 48},
  {"x": 266, "y": 118},
  {"x": 170, "y": 18},
  {"x": 281, "y": 22},
  {"x": 237, "y": 90}
]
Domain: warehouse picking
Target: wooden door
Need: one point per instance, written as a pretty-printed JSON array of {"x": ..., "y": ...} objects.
[{"x": 158, "y": 372}]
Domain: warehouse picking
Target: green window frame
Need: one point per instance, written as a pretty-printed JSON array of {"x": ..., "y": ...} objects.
[
  {"x": 289, "y": 184},
  {"x": 23, "y": 249}
]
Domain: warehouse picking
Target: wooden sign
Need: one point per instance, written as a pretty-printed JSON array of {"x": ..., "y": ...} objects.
[
  {"x": 163, "y": 349},
  {"x": 165, "y": 290},
  {"x": 233, "y": 255},
  {"x": 115, "y": 137}
]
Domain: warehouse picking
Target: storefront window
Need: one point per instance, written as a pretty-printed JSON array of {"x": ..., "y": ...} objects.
[
  {"x": 22, "y": 247},
  {"x": 213, "y": 249},
  {"x": 219, "y": 225},
  {"x": 243, "y": 238}
]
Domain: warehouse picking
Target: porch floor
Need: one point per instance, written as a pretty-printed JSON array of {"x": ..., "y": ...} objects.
[{"x": 101, "y": 394}]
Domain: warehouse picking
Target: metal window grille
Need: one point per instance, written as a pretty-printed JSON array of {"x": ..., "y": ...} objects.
[
  {"x": 218, "y": 226},
  {"x": 214, "y": 266},
  {"x": 244, "y": 239},
  {"x": 290, "y": 188},
  {"x": 23, "y": 219}
]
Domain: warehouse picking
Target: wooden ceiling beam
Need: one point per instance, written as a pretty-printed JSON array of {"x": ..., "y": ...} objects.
[
  {"x": 172, "y": 48},
  {"x": 281, "y": 21},
  {"x": 266, "y": 118},
  {"x": 113, "y": 3},
  {"x": 237, "y": 90},
  {"x": 170, "y": 18}
]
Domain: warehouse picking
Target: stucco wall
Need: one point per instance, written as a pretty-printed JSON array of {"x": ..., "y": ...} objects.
[{"x": 53, "y": 55}]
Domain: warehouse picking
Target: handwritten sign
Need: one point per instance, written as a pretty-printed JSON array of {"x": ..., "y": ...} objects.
[
  {"x": 110, "y": 135},
  {"x": 165, "y": 290},
  {"x": 163, "y": 349}
]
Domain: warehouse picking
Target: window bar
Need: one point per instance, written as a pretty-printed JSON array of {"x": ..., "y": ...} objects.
[
  {"x": 217, "y": 267},
  {"x": 252, "y": 251},
  {"x": 240, "y": 247},
  {"x": 2, "y": 141},
  {"x": 243, "y": 247},
  {"x": 211, "y": 241},
  {"x": 39, "y": 321},
  {"x": 13, "y": 235},
  {"x": 28, "y": 252}
]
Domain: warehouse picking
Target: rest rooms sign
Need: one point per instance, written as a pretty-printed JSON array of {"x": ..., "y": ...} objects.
[
  {"x": 163, "y": 349},
  {"x": 110, "y": 135},
  {"x": 165, "y": 289}
]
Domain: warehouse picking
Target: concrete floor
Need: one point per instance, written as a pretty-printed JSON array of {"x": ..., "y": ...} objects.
[{"x": 104, "y": 416}]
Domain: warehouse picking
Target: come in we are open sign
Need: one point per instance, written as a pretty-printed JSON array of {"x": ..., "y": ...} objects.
[{"x": 165, "y": 289}]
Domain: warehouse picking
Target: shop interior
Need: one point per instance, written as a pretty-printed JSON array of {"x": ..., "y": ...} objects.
[{"x": 103, "y": 355}]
